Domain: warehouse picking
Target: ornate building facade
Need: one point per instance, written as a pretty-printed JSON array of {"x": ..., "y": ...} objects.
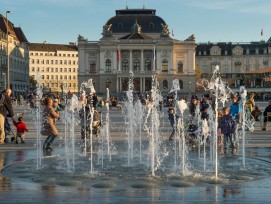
[
  {"x": 18, "y": 55},
  {"x": 240, "y": 63},
  {"x": 137, "y": 41},
  {"x": 55, "y": 64}
]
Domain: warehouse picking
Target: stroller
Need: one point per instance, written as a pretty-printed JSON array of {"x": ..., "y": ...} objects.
[
  {"x": 86, "y": 121},
  {"x": 192, "y": 136}
]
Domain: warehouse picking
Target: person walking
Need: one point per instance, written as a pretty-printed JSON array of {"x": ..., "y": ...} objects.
[
  {"x": 227, "y": 126},
  {"x": 48, "y": 125},
  {"x": 5, "y": 107},
  {"x": 266, "y": 118}
]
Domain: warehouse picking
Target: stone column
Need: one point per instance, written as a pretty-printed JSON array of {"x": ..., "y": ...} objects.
[
  {"x": 131, "y": 61},
  {"x": 142, "y": 61}
]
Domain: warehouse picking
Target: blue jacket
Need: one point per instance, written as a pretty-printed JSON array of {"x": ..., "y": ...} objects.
[{"x": 227, "y": 124}]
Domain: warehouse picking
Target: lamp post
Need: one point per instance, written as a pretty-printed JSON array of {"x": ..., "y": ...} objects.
[
  {"x": 4, "y": 76},
  {"x": 8, "y": 83}
]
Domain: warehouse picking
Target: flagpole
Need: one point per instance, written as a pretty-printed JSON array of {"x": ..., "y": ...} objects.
[
  {"x": 153, "y": 58},
  {"x": 118, "y": 57}
]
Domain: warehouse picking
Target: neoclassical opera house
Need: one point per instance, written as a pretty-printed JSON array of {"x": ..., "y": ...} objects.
[{"x": 137, "y": 41}]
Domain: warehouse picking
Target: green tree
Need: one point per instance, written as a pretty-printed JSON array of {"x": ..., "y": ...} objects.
[{"x": 32, "y": 83}]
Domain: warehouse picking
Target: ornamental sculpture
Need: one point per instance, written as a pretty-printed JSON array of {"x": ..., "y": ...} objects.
[
  {"x": 165, "y": 30},
  {"x": 107, "y": 31}
]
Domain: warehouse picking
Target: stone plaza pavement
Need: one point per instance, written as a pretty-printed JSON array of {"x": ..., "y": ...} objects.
[{"x": 12, "y": 190}]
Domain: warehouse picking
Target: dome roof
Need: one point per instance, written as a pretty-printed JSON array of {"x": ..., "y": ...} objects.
[{"x": 125, "y": 19}]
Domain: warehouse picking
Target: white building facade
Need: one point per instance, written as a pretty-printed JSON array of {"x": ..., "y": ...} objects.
[
  {"x": 54, "y": 65},
  {"x": 137, "y": 41},
  {"x": 18, "y": 56}
]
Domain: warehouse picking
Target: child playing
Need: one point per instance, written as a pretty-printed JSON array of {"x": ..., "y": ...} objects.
[
  {"x": 21, "y": 128},
  {"x": 227, "y": 125},
  {"x": 56, "y": 105}
]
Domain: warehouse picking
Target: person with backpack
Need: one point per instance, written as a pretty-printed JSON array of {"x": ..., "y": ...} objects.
[{"x": 5, "y": 107}]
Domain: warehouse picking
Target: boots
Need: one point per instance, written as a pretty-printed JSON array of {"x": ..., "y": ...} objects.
[
  {"x": 45, "y": 144},
  {"x": 264, "y": 126},
  {"x": 52, "y": 138}
]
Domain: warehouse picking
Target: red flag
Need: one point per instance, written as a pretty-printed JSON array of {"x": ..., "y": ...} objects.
[
  {"x": 262, "y": 32},
  {"x": 118, "y": 55}
]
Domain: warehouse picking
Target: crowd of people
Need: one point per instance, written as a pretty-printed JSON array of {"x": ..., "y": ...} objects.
[{"x": 229, "y": 118}]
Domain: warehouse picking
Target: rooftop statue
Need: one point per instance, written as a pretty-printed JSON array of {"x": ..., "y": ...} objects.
[
  {"x": 107, "y": 31},
  {"x": 191, "y": 38},
  {"x": 165, "y": 30}
]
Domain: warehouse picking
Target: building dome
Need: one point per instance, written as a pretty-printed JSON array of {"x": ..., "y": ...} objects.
[{"x": 125, "y": 20}]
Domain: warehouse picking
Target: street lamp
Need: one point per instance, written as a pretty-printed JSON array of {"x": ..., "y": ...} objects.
[
  {"x": 4, "y": 76},
  {"x": 8, "y": 83}
]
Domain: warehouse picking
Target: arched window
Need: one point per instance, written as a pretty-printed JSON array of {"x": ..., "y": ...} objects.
[
  {"x": 181, "y": 84},
  {"x": 108, "y": 83},
  {"x": 125, "y": 65},
  {"x": 164, "y": 65},
  {"x": 92, "y": 67},
  {"x": 147, "y": 65},
  {"x": 136, "y": 65},
  {"x": 108, "y": 65},
  {"x": 180, "y": 67},
  {"x": 165, "y": 84}
]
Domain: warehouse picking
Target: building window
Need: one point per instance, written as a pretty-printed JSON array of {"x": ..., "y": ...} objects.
[
  {"x": 33, "y": 69},
  {"x": 226, "y": 52},
  {"x": 52, "y": 76},
  {"x": 56, "y": 69},
  {"x": 125, "y": 65},
  {"x": 52, "y": 69},
  {"x": 92, "y": 67},
  {"x": 108, "y": 83},
  {"x": 56, "y": 61},
  {"x": 165, "y": 84},
  {"x": 148, "y": 65},
  {"x": 164, "y": 65},
  {"x": 47, "y": 61},
  {"x": 56, "y": 77},
  {"x": 199, "y": 52},
  {"x": 181, "y": 84},
  {"x": 65, "y": 69},
  {"x": 247, "y": 51},
  {"x": 60, "y": 70},
  {"x": 108, "y": 65},
  {"x": 180, "y": 67},
  {"x": 136, "y": 65}
]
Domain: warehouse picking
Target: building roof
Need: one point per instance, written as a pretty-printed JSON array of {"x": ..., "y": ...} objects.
[
  {"x": 136, "y": 36},
  {"x": 124, "y": 21},
  {"x": 46, "y": 47},
  {"x": 252, "y": 47},
  {"x": 3, "y": 27},
  {"x": 20, "y": 34}
]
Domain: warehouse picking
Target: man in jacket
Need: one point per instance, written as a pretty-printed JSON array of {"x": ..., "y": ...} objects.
[{"x": 5, "y": 107}]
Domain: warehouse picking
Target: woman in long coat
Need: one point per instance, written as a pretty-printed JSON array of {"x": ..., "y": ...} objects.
[{"x": 48, "y": 127}]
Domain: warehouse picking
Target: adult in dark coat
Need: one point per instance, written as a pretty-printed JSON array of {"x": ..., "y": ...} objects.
[
  {"x": 48, "y": 124},
  {"x": 5, "y": 107},
  {"x": 267, "y": 109}
]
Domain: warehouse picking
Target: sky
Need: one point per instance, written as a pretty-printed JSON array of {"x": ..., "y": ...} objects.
[{"x": 60, "y": 21}]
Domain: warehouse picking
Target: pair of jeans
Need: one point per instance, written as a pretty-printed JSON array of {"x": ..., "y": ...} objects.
[
  {"x": 49, "y": 141},
  {"x": 227, "y": 137}
]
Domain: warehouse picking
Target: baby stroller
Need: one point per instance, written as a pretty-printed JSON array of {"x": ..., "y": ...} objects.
[
  {"x": 192, "y": 136},
  {"x": 86, "y": 121}
]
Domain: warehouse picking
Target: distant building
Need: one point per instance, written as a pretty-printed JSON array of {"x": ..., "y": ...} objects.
[
  {"x": 18, "y": 53},
  {"x": 137, "y": 41},
  {"x": 239, "y": 62},
  {"x": 55, "y": 64}
]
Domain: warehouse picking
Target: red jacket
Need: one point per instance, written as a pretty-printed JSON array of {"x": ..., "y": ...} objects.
[{"x": 21, "y": 126}]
